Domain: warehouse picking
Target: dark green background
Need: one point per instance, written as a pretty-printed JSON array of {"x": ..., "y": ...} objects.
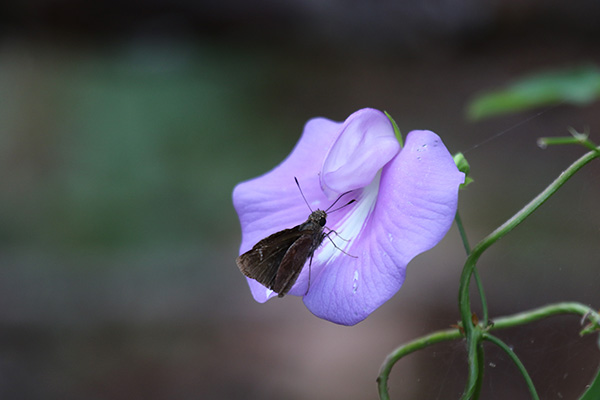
[{"x": 123, "y": 131}]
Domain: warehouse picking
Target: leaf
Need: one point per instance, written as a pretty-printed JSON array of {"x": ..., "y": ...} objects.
[
  {"x": 578, "y": 86},
  {"x": 593, "y": 391}
]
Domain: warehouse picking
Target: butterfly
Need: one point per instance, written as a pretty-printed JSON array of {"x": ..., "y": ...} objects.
[{"x": 277, "y": 260}]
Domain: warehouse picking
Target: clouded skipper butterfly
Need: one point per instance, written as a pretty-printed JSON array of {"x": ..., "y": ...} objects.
[{"x": 277, "y": 260}]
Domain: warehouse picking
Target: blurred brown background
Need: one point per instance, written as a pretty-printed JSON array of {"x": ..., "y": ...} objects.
[{"x": 124, "y": 127}]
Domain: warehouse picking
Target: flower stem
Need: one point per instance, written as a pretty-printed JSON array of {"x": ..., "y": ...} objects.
[
  {"x": 476, "y": 369},
  {"x": 517, "y": 362},
  {"x": 465, "y": 240},
  {"x": 464, "y": 300},
  {"x": 476, "y": 332},
  {"x": 462, "y": 232},
  {"x": 526, "y": 317},
  {"x": 406, "y": 349},
  {"x": 481, "y": 364}
]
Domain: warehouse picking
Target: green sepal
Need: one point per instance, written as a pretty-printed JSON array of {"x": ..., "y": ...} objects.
[
  {"x": 463, "y": 166},
  {"x": 396, "y": 129}
]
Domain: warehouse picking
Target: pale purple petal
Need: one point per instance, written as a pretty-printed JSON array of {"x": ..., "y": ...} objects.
[
  {"x": 366, "y": 143},
  {"x": 405, "y": 203},
  {"x": 415, "y": 205},
  {"x": 272, "y": 202}
]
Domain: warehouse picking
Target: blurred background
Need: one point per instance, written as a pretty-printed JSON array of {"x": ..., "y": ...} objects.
[{"x": 124, "y": 127}]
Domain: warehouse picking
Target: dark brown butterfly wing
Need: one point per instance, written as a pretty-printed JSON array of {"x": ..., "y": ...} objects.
[
  {"x": 262, "y": 262},
  {"x": 276, "y": 261},
  {"x": 292, "y": 263}
]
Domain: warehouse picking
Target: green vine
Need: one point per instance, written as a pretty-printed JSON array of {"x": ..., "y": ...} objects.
[{"x": 475, "y": 332}]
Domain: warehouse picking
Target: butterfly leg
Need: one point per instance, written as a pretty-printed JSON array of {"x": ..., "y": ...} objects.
[
  {"x": 309, "y": 270},
  {"x": 335, "y": 245},
  {"x": 336, "y": 234}
]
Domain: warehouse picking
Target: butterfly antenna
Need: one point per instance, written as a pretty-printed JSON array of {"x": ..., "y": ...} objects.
[
  {"x": 339, "y": 208},
  {"x": 297, "y": 184},
  {"x": 338, "y": 199}
]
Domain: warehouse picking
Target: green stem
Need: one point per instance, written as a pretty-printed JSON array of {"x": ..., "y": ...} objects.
[
  {"x": 481, "y": 364},
  {"x": 462, "y": 232},
  {"x": 548, "y": 311},
  {"x": 406, "y": 349},
  {"x": 465, "y": 240},
  {"x": 474, "y": 346},
  {"x": 475, "y": 334},
  {"x": 474, "y": 378},
  {"x": 476, "y": 368},
  {"x": 463, "y": 298},
  {"x": 517, "y": 362}
]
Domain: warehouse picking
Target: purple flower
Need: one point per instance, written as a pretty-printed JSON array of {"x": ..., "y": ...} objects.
[{"x": 405, "y": 203}]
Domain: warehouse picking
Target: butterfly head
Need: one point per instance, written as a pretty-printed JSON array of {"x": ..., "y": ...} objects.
[{"x": 318, "y": 217}]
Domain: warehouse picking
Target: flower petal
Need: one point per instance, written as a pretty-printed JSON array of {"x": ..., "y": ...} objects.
[
  {"x": 415, "y": 207},
  {"x": 366, "y": 143},
  {"x": 272, "y": 202}
]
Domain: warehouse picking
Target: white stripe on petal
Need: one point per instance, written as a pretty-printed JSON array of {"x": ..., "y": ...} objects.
[{"x": 350, "y": 227}]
